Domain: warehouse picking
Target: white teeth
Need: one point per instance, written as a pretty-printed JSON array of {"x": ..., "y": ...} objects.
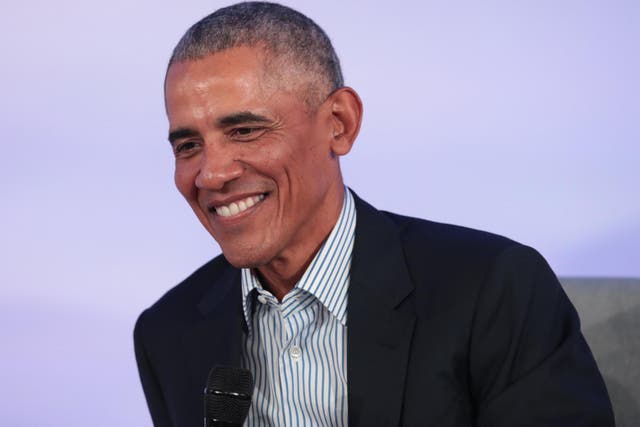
[{"x": 235, "y": 208}]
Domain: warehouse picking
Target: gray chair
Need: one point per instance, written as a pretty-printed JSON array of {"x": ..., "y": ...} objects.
[{"x": 610, "y": 313}]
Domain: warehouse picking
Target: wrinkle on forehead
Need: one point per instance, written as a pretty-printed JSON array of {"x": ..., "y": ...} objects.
[{"x": 260, "y": 72}]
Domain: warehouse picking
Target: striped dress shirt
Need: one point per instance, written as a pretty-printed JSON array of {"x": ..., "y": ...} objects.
[{"x": 297, "y": 349}]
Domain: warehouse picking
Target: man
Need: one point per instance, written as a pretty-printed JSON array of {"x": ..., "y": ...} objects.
[{"x": 345, "y": 315}]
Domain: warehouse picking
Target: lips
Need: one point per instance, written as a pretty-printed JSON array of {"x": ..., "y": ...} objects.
[{"x": 239, "y": 206}]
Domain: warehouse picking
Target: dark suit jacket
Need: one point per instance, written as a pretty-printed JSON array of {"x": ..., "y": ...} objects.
[{"x": 447, "y": 326}]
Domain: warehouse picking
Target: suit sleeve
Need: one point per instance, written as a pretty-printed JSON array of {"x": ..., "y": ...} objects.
[
  {"x": 529, "y": 363},
  {"x": 150, "y": 385}
]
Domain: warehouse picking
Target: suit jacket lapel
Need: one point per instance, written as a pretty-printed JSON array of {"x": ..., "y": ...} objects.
[
  {"x": 215, "y": 338},
  {"x": 380, "y": 321}
]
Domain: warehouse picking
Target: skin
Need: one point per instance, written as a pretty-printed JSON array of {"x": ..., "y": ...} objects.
[{"x": 235, "y": 134}]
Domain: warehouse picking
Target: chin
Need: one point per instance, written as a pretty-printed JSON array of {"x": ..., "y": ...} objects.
[{"x": 244, "y": 258}]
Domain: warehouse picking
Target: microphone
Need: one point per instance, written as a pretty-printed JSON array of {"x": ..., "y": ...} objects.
[{"x": 227, "y": 396}]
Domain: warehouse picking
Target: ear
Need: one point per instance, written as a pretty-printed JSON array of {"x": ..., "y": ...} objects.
[{"x": 346, "y": 116}]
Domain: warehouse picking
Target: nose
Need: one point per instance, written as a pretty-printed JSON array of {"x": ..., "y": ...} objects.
[{"x": 218, "y": 167}]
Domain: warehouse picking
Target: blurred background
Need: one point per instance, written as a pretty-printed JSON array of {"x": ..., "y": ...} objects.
[{"x": 521, "y": 118}]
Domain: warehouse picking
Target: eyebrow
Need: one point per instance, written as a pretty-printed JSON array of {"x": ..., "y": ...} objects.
[
  {"x": 181, "y": 133},
  {"x": 241, "y": 117},
  {"x": 230, "y": 120}
]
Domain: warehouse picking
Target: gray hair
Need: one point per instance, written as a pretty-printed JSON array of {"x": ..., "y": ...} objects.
[{"x": 284, "y": 34}]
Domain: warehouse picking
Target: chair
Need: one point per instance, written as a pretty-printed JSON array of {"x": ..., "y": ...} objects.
[{"x": 609, "y": 310}]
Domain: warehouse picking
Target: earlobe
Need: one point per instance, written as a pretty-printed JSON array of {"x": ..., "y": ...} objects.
[{"x": 346, "y": 110}]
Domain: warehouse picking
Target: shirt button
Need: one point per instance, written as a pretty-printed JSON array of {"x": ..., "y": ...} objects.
[
  {"x": 262, "y": 299},
  {"x": 295, "y": 352}
]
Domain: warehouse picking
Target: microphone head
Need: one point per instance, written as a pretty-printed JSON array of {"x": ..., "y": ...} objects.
[{"x": 227, "y": 397}]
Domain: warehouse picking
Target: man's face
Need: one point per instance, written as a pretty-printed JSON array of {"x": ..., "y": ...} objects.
[{"x": 253, "y": 163}]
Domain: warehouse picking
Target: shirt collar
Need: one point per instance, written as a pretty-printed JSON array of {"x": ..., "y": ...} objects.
[{"x": 327, "y": 277}]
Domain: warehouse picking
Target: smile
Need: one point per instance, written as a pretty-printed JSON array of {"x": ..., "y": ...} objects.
[{"x": 235, "y": 208}]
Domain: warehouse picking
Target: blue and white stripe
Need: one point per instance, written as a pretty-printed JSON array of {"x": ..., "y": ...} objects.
[{"x": 297, "y": 349}]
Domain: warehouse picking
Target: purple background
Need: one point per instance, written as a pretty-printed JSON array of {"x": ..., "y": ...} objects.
[{"x": 516, "y": 117}]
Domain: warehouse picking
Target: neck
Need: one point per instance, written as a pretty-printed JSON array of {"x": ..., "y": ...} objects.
[{"x": 281, "y": 274}]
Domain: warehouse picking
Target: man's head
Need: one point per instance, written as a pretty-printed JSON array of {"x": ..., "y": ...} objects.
[
  {"x": 258, "y": 118},
  {"x": 291, "y": 40}
]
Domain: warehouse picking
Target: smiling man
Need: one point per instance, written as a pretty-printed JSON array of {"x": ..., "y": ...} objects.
[
  {"x": 257, "y": 155},
  {"x": 345, "y": 315}
]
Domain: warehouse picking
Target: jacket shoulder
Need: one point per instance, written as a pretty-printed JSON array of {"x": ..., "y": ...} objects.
[
  {"x": 181, "y": 300},
  {"x": 461, "y": 257},
  {"x": 448, "y": 240}
]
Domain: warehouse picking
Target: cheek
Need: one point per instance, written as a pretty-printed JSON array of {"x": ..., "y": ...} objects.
[{"x": 184, "y": 178}]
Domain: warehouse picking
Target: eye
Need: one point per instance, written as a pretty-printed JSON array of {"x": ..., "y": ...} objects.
[
  {"x": 184, "y": 148},
  {"x": 247, "y": 133},
  {"x": 244, "y": 131}
]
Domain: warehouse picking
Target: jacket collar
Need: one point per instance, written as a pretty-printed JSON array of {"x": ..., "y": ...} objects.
[
  {"x": 381, "y": 318},
  {"x": 215, "y": 335}
]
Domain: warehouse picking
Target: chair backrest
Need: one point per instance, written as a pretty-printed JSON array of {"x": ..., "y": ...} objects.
[{"x": 609, "y": 310}]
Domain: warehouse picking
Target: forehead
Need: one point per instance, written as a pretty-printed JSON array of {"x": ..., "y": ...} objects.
[
  {"x": 227, "y": 70},
  {"x": 242, "y": 78}
]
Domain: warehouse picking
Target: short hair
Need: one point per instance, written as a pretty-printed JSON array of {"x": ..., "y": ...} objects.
[{"x": 284, "y": 34}]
